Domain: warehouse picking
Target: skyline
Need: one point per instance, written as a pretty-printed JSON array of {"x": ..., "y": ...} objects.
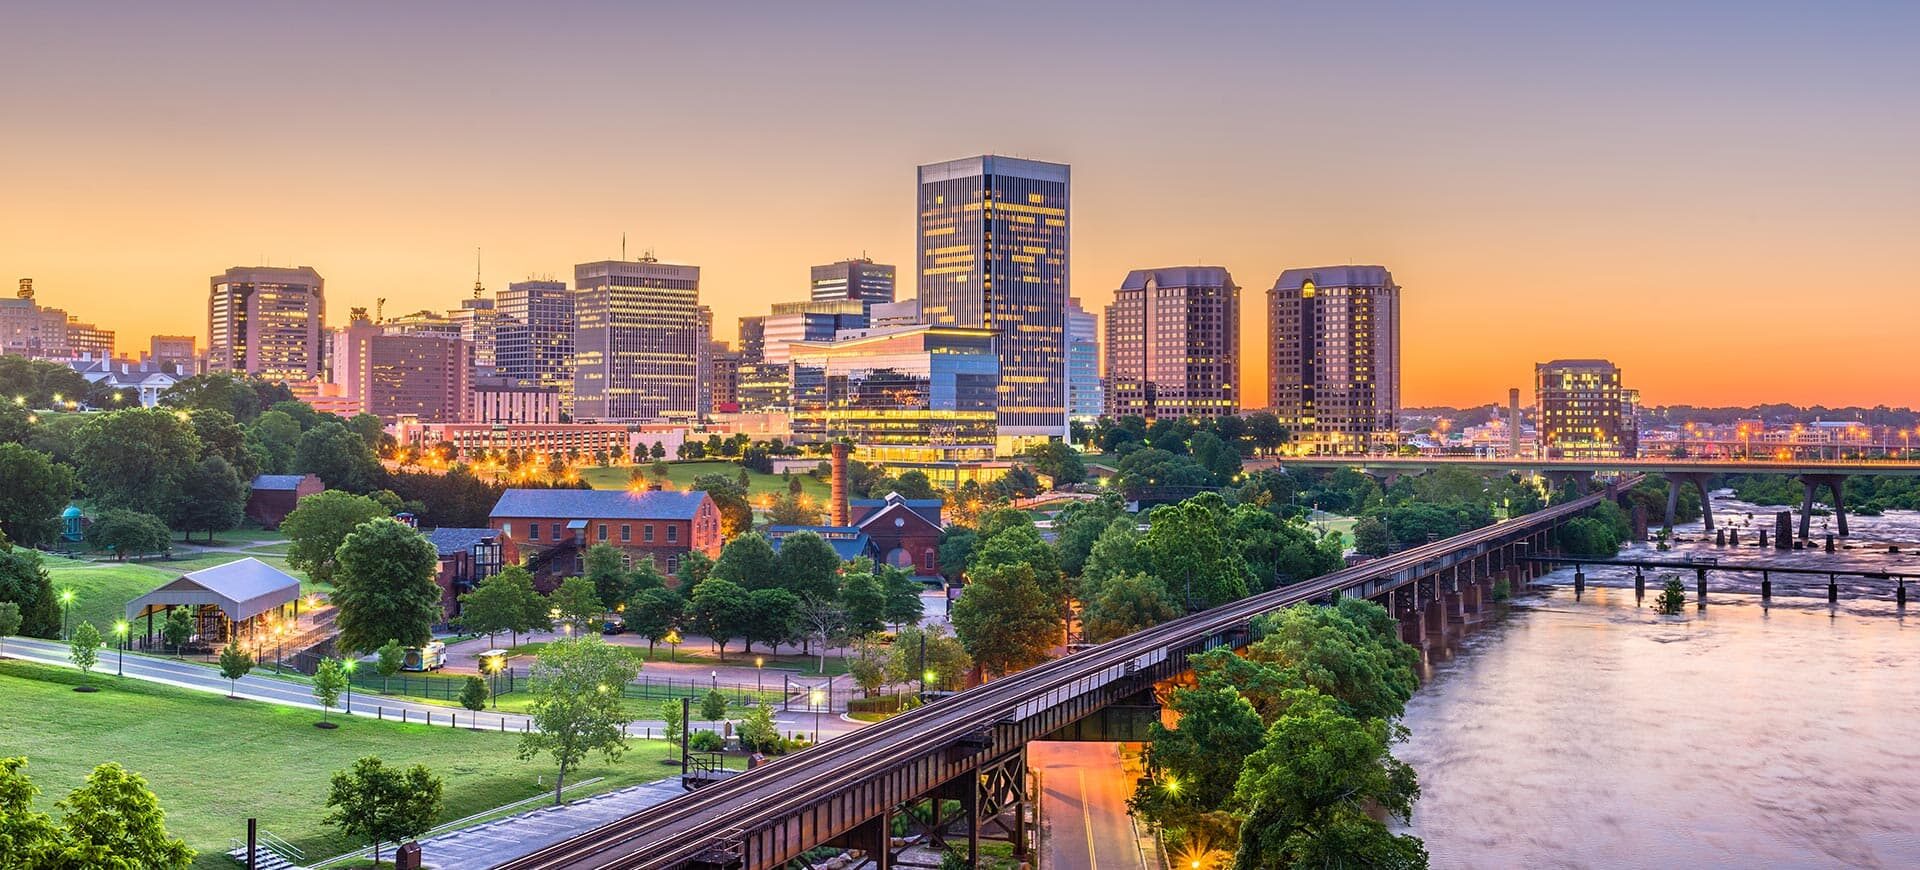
[{"x": 1679, "y": 164}]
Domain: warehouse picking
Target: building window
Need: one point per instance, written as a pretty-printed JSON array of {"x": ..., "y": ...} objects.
[
  {"x": 533, "y": 531},
  {"x": 647, "y": 533},
  {"x": 626, "y": 533},
  {"x": 673, "y": 533},
  {"x": 673, "y": 563},
  {"x": 603, "y": 532}
]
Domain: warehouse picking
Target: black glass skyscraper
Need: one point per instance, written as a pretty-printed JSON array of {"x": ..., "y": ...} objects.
[{"x": 993, "y": 234}]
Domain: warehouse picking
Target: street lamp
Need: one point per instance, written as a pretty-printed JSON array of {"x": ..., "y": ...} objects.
[
  {"x": 493, "y": 665},
  {"x": 120, "y": 631},
  {"x": 66, "y": 598},
  {"x": 348, "y": 666},
  {"x": 716, "y": 679},
  {"x": 816, "y": 699},
  {"x": 758, "y": 663}
]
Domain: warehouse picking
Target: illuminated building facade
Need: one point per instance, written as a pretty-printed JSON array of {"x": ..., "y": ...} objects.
[
  {"x": 1334, "y": 364},
  {"x": 268, "y": 322},
  {"x": 479, "y": 324},
  {"x": 1583, "y": 412},
  {"x": 912, "y": 397},
  {"x": 1173, "y": 344},
  {"x": 993, "y": 234},
  {"x": 392, "y": 375},
  {"x": 508, "y": 400},
  {"x": 533, "y": 336},
  {"x": 1086, "y": 399},
  {"x": 638, "y": 342},
  {"x": 724, "y": 388},
  {"x": 793, "y": 322},
  {"x": 860, "y": 280}
]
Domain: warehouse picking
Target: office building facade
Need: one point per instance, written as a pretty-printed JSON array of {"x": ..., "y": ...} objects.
[
  {"x": 1086, "y": 398},
  {"x": 1173, "y": 344},
  {"x": 638, "y": 342},
  {"x": 393, "y": 375},
  {"x": 858, "y": 280},
  {"x": 533, "y": 336},
  {"x": 993, "y": 247},
  {"x": 1333, "y": 370},
  {"x": 914, "y": 396},
  {"x": 269, "y": 322},
  {"x": 1581, "y": 411}
]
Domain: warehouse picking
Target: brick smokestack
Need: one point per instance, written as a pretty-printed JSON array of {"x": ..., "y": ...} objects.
[
  {"x": 839, "y": 510},
  {"x": 1513, "y": 422}
]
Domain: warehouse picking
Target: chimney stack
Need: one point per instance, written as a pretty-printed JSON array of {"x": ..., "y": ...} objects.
[
  {"x": 839, "y": 509},
  {"x": 1513, "y": 423}
]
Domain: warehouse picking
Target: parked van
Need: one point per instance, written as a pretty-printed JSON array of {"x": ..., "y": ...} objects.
[{"x": 431, "y": 657}]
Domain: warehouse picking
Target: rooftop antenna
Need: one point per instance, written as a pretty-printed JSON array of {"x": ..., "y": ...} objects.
[
  {"x": 380, "y": 310},
  {"x": 623, "y": 246},
  {"x": 477, "y": 289}
]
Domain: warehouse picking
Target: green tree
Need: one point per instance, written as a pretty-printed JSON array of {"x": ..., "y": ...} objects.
[
  {"x": 136, "y": 459},
  {"x": 772, "y": 617},
  {"x": 1020, "y": 544},
  {"x": 795, "y": 509},
  {"x": 808, "y": 567},
  {"x": 1279, "y": 551},
  {"x": 128, "y": 532},
  {"x": 273, "y": 437},
  {"x": 719, "y": 610},
  {"x": 654, "y": 613},
  {"x": 1006, "y": 619},
  {"x": 177, "y": 628},
  {"x": 222, "y": 436},
  {"x": 84, "y": 649},
  {"x": 25, "y": 582},
  {"x": 865, "y": 601},
  {"x": 757, "y": 731},
  {"x": 1673, "y": 598},
  {"x": 387, "y": 661},
  {"x": 339, "y": 456},
  {"x": 917, "y": 650},
  {"x": 1198, "y": 762},
  {"x": 1079, "y": 525},
  {"x": 1057, "y": 460},
  {"x": 115, "y": 822},
  {"x": 606, "y": 569},
  {"x": 491, "y": 608},
  {"x": 27, "y": 838},
  {"x": 1115, "y": 553},
  {"x": 36, "y": 490},
  {"x": 235, "y": 663},
  {"x": 328, "y": 681},
  {"x": 578, "y": 605},
  {"x": 1370, "y": 536},
  {"x": 473, "y": 694},
  {"x": 16, "y": 423},
  {"x": 694, "y": 567},
  {"x": 868, "y": 673},
  {"x": 713, "y": 707},
  {"x": 673, "y": 720},
  {"x": 730, "y": 496},
  {"x": 1308, "y": 790},
  {"x": 9, "y": 623},
  {"x": 384, "y": 589},
  {"x": 240, "y": 397},
  {"x": 1125, "y": 604},
  {"x": 576, "y": 708},
  {"x": 319, "y": 524},
  {"x": 956, "y": 551},
  {"x": 1186, "y": 545},
  {"x": 214, "y": 498},
  {"x": 903, "y": 604},
  {"x": 748, "y": 562},
  {"x": 383, "y": 804}
]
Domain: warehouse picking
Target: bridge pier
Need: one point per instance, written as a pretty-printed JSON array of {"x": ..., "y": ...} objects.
[
  {"x": 1835, "y": 484},
  {"x": 1699, "y": 482}
]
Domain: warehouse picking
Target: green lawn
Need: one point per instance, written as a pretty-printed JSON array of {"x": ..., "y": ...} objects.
[
  {"x": 214, "y": 762},
  {"x": 101, "y": 590},
  {"x": 681, "y": 474}
]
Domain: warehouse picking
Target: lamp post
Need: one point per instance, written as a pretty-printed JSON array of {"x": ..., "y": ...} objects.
[
  {"x": 120, "y": 631},
  {"x": 816, "y": 699},
  {"x": 494, "y": 664},
  {"x": 66, "y": 598},
  {"x": 348, "y": 666},
  {"x": 758, "y": 663},
  {"x": 715, "y": 675}
]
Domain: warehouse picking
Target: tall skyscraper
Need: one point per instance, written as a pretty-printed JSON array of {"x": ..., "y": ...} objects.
[
  {"x": 267, "y": 321},
  {"x": 533, "y": 336},
  {"x": 703, "y": 383},
  {"x": 1333, "y": 371},
  {"x": 638, "y": 342},
  {"x": 400, "y": 374},
  {"x": 1086, "y": 399},
  {"x": 993, "y": 235},
  {"x": 861, "y": 280},
  {"x": 1173, "y": 344},
  {"x": 725, "y": 386},
  {"x": 1583, "y": 412},
  {"x": 479, "y": 323}
]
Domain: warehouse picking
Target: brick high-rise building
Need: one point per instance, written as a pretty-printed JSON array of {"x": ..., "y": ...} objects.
[
  {"x": 391, "y": 375},
  {"x": 1333, "y": 370},
  {"x": 1173, "y": 344}
]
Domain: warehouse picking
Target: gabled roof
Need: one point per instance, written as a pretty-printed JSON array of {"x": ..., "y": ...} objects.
[
  {"x": 243, "y": 589},
  {"x": 614, "y": 504},
  {"x": 452, "y": 541},
  {"x": 865, "y": 508},
  {"x": 898, "y": 514},
  {"x": 288, "y": 482},
  {"x": 846, "y": 541}
]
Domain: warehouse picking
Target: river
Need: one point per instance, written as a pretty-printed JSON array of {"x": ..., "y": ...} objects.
[{"x": 1596, "y": 733}]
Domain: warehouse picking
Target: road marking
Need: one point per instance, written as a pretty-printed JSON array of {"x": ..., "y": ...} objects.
[{"x": 1086, "y": 816}]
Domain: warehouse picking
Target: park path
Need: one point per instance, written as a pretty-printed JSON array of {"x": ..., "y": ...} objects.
[{"x": 273, "y": 690}]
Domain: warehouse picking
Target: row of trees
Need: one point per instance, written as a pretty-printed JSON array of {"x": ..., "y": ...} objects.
[{"x": 1249, "y": 435}]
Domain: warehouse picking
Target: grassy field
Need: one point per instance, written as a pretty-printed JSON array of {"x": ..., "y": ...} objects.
[
  {"x": 101, "y": 590},
  {"x": 681, "y": 474},
  {"x": 214, "y": 762}
]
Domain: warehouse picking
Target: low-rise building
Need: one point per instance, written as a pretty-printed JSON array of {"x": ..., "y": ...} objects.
[
  {"x": 467, "y": 556},
  {"x": 553, "y": 527},
  {"x": 273, "y": 496}
]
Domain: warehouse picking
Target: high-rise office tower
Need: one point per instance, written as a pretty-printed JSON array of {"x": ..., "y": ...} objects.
[
  {"x": 533, "y": 336},
  {"x": 267, "y": 321},
  {"x": 1582, "y": 411},
  {"x": 180, "y": 353},
  {"x": 993, "y": 235},
  {"x": 402, "y": 374},
  {"x": 1086, "y": 399},
  {"x": 861, "y": 280},
  {"x": 1173, "y": 344},
  {"x": 1333, "y": 370},
  {"x": 724, "y": 389},
  {"x": 703, "y": 384},
  {"x": 637, "y": 346},
  {"x": 479, "y": 324},
  {"x": 807, "y": 321},
  {"x": 753, "y": 339}
]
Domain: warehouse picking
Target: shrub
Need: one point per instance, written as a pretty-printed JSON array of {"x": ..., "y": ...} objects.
[{"x": 706, "y": 741}]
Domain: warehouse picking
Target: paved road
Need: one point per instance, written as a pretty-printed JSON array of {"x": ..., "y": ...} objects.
[
  {"x": 287, "y": 692},
  {"x": 1083, "y": 807}
]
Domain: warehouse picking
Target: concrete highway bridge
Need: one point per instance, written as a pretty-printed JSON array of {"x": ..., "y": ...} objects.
[
  {"x": 1814, "y": 475},
  {"x": 969, "y": 749}
]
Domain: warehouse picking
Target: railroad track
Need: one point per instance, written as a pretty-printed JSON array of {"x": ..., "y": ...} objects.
[{"x": 678, "y": 831}]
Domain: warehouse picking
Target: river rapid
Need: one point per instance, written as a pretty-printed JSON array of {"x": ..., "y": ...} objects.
[{"x": 1597, "y": 733}]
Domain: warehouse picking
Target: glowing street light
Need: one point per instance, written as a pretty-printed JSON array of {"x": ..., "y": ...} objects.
[
  {"x": 758, "y": 663},
  {"x": 120, "y": 631},
  {"x": 66, "y": 598},
  {"x": 816, "y": 699},
  {"x": 348, "y": 666}
]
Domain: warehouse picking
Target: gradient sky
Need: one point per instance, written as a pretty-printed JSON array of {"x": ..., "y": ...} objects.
[{"x": 1722, "y": 197}]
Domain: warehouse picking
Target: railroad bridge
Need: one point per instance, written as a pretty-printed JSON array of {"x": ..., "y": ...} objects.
[{"x": 969, "y": 749}]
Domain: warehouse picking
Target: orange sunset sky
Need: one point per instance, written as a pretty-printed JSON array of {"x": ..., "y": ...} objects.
[{"x": 1721, "y": 197}]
